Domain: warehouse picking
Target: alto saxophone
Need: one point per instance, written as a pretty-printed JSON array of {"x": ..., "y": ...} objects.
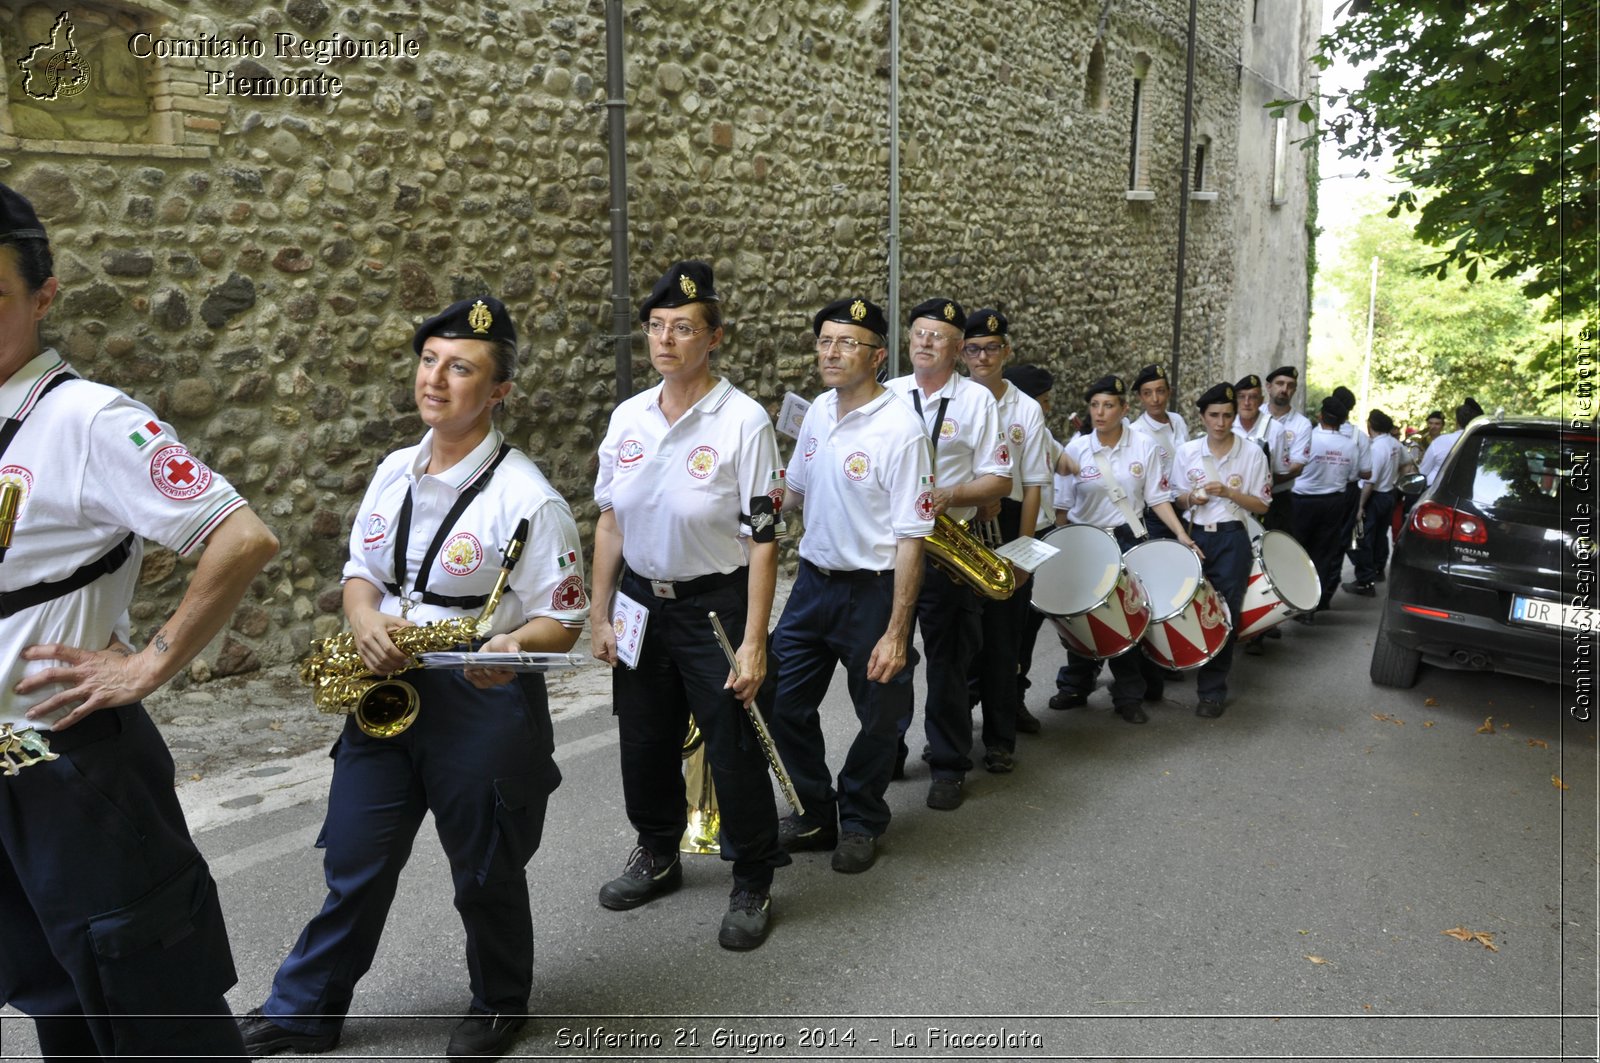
[
  {"x": 954, "y": 548},
  {"x": 385, "y": 706}
]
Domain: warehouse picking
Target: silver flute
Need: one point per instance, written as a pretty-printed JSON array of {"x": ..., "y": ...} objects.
[{"x": 760, "y": 723}]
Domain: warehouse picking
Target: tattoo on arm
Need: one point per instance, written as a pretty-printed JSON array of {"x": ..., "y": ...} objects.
[{"x": 160, "y": 641}]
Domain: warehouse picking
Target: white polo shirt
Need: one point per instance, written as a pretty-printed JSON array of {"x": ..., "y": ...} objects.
[
  {"x": 1167, "y": 437},
  {"x": 1022, "y": 427},
  {"x": 1332, "y": 464},
  {"x": 681, "y": 493},
  {"x": 1363, "y": 447},
  {"x": 1243, "y": 468},
  {"x": 969, "y": 443},
  {"x": 93, "y": 465},
  {"x": 866, "y": 480},
  {"x": 1269, "y": 431},
  {"x": 548, "y": 581},
  {"x": 1386, "y": 456},
  {"x": 1133, "y": 464},
  {"x": 1433, "y": 457},
  {"x": 1050, "y": 497},
  {"x": 1297, "y": 428}
]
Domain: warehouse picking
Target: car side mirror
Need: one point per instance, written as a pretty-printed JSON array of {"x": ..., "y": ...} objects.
[{"x": 1412, "y": 483}]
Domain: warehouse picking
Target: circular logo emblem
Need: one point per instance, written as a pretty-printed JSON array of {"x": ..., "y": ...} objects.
[
  {"x": 377, "y": 528},
  {"x": 925, "y": 505},
  {"x": 178, "y": 474},
  {"x": 1089, "y": 472},
  {"x": 949, "y": 428},
  {"x": 776, "y": 494},
  {"x": 1235, "y": 481},
  {"x": 569, "y": 594},
  {"x": 1196, "y": 476},
  {"x": 811, "y": 447},
  {"x": 1016, "y": 435},
  {"x": 462, "y": 554},
  {"x": 702, "y": 462},
  {"x": 1002, "y": 454},
  {"x": 619, "y": 625},
  {"x": 857, "y": 465},
  {"x": 630, "y": 451},
  {"x": 23, "y": 478},
  {"x": 1136, "y": 469}
]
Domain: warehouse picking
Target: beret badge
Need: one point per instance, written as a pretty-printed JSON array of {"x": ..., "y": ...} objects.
[
  {"x": 480, "y": 318},
  {"x": 949, "y": 311},
  {"x": 686, "y": 286},
  {"x": 994, "y": 323},
  {"x": 858, "y": 310}
]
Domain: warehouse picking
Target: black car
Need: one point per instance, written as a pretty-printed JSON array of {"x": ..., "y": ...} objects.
[{"x": 1494, "y": 570}]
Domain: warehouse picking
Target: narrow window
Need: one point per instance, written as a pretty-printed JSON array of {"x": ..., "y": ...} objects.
[
  {"x": 1094, "y": 81},
  {"x": 1134, "y": 176},
  {"x": 1280, "y": 161},
  {"x": 1138, "y": 164}
]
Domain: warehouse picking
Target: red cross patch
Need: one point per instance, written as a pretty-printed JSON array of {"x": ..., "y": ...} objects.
[
  {"x": 178, "y": 474},
  {"x": 569, "y": 594}
]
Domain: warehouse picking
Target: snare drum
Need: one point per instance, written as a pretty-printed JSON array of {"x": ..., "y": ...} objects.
[
  {"x": 1097, "y": 605},
  {"x": 1283, "y": 582},
  {"x": 1190, "y": 623}
]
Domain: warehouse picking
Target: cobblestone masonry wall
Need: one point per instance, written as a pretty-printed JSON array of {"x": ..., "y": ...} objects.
[{"x": 253, "y": 266}]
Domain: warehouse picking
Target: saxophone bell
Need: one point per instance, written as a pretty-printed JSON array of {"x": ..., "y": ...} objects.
[
  {"x": 387, "y": 707},
  {"x": 955, "y": 548}
]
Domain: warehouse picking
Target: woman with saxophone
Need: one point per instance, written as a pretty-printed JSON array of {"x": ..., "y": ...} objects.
[
  {"x": 689, "y": 490},
  {"x": 479, "y": 755}
]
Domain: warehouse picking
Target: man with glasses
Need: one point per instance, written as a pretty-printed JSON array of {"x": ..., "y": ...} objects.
[
  {"x": 862, "y": 470},
  {"x": 972, "y": 468},
  {"x": 1022, "y": 425}
]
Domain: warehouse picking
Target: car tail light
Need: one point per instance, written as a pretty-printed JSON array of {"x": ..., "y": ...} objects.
[{"x": 1433, "y": 520}]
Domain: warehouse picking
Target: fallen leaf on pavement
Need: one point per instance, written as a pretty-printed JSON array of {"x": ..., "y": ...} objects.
[
  {"x": 1427, "y": 723},
  {"x": 1559, "y": 784},
  {"x": 1430, "y": 702},
  {"x": 1386, "y": 718},
  {"x": 1538, "y": 743},
  {"x": 1317, "y": 960},
  {"x": 1488, "y": 726},
  {"x": 196, "y": 777},
  {"x": 275, "y": 725}
]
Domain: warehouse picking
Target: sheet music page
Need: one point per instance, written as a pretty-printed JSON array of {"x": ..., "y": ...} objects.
[
  {"x": 791, "y": 414},
  {"x": 1027, "y": 554}
]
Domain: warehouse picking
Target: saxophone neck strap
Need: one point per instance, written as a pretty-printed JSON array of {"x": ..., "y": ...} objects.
[
  {"x": 938, "y": 420},
  {"x": 403, "y": 536}
]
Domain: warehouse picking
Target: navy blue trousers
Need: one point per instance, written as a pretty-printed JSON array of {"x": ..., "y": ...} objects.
[
  {"x": 1227, "y": 568},
  {"x": 113, "y": 933},
  {"x": 1371, "y": 552},
  {"x": 1134, "y": 676},
  {"x": 681, "y": 672},
  {"x": 950, "y": 617},
  {"x": 828, "y": 621},
  {"x": 480, "y": 761},
  {"x": 1318, "y": 526}
]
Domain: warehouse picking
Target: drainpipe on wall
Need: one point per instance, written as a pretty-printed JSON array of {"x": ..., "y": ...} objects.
[
  {"x": 893, "y": 339},
  {"x": 617, "y": 138},
  {"x": 1183, "y": 203}
]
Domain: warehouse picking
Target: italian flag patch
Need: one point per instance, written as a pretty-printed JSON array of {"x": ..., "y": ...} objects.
[
  {"x": 566, "y": 560},
  {"x": 925, "y": 483},
  {"x": 145, "y": 434}
]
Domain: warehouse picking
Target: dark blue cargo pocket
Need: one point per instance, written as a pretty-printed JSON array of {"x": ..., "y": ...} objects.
[
  {"x": 519, "y": 807},
  {"x": 167, "y": 952}
]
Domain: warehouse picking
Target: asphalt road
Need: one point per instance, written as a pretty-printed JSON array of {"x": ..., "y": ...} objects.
[{"x": 1277, "y": 883}]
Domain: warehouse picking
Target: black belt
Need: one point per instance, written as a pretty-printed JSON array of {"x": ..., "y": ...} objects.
[
  {"x": 95, "y": 727},
  {"x": 1221, "y": 526},
  {"x": 854, "y": 575},
  {"x": 684, "y": 588},
  {"x": 15, "y": 601}
]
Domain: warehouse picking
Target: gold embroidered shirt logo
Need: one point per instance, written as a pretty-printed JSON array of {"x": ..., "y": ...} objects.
[
  {"x": 480, "y": 318},
  {"x": 55, "y": 70},
  {"x": 858, "y": 310},
  {"x": 687, "y": 286}
]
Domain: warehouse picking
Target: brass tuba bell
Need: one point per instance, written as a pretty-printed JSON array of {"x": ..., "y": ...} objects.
[
  {"x": 954, "y": 548},
  {"x": 704, "y": 832}
]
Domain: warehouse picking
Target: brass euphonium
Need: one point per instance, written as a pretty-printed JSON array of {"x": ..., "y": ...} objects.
[
  {"x": 954, "y": 548},
  {"x": 385, "y": 706},
  {"x": 703, "y": 835}
]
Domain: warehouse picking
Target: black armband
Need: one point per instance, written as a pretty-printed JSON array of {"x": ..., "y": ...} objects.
[{"x": 763, "y": 520}]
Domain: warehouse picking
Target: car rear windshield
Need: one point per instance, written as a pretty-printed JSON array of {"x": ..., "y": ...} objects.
[{"x": 1525, "y": 475}]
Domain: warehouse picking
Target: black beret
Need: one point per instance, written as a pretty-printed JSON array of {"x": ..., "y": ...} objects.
[
  {"x": 947, "y": 310},
  {"x": 1110, "y": 384},
  {"x": 683, "y": 283},
  {"x": 1346, "y": 396},
  {"x": 1031, "y": 380},
  {"x": 481, "y": 318},
  {"x": 1334, "y": 410},
  {"x": 1216, "y": 393},
  {"x": 1251, "y": 381},
  {"x": 1284, "y": 370},
  {"x": 986, "y": 322},
  {"x": 17, "y": 219},
  {"x": 852, "y": 311},
  {"x": 1147, "y": 374},
  {"x": 1472, "y": 404}
]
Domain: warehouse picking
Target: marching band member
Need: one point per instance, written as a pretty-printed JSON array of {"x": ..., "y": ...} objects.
[
  {"x": 1258, "y": 426},
  {"x": 1352, "y": 491},
  {"x": 1036, "y": 383},
  {"x": 972, "y": 468},
  {"x": 689, "y": 490},
  {"x": 1022, "y": 426},
  {"x": 98, "y": 874},
  {"x": 1440, "y": 447},
  {"x": 1319, "y": 500},
  {"x": 1118, "y": 476},
  {"x": 1282, "y": 383},
  {"x": 863, "y": 471},
  {"x": 480, "y": 754},
  {"x": 1167, "y": 429},
  {"x": 1375, "y": 505},
  {"x": 1218, "y": 475}
]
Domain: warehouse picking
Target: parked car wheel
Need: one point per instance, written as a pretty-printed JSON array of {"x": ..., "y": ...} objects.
[{"x": 1393, "y": 665}]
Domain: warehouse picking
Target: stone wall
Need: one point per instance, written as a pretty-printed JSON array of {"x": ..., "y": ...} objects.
[{"x": 253, "y": 266}]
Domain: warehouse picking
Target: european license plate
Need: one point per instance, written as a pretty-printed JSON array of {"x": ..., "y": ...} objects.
[{"x": 1546, "y": 613}]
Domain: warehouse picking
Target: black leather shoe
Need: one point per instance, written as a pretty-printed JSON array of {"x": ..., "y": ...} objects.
[
  {"x": 795, "y": 835},
  {"x": 1253, "y": 647},
  {"x": 263, "y": 1037},
  {"x": 1153, "y": 696},
  {"x": 856, "y": 852},
  {"x": 745, "y": 925},
  {"x": 1132, "y": 713},
  {"x": 945, "y": 794},
  {"x": 1027, "y": 722},
  {"x": 1366, "y": 590},
  {"x": 1061, "y": 701},
  {"x": 998, "y": 761},
  {"x": 1208, "y": 707},
  {"x": 646, "y": 877},
  {"x": 1305, "y": 618},
  {"x": 485, "y": 1036}
]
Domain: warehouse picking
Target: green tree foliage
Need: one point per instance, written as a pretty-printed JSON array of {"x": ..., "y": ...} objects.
[
  {"x": 1437, "y": 341},
  {"x": 1488, "y": 112}
]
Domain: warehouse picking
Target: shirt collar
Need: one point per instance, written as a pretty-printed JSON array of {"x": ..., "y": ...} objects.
[
  {"x": 463, "y": 473},
  {"x": 885, "y": 397},
  {"x": 710, "y": 402},
  {"x": 946, "y": 392},
  {"x": 19, "y": 394}
]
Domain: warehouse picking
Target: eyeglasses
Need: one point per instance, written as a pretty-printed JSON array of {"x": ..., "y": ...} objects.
[
  {"x": 932, "y": 336},
  {"x": 680, "y": 331},
  {"x": 844, "y": 345},
  {"x": 972, "y": 350}
]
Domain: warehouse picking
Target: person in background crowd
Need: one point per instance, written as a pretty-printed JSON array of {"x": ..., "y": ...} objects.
[
  {"x": 1319, "y": 500},
  {"x": 1439, "y": 449},
  {"x": 1349, "y": 430},
  {"x": 114, "y": 939},
  {"x": 1282, "y": 383},
  {"x": 1376, "y": 506},
  {"x": 1433, "y": 425},
  {"x": 1036, "y": 383},
  {"x": 1166, "y": 429}
]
